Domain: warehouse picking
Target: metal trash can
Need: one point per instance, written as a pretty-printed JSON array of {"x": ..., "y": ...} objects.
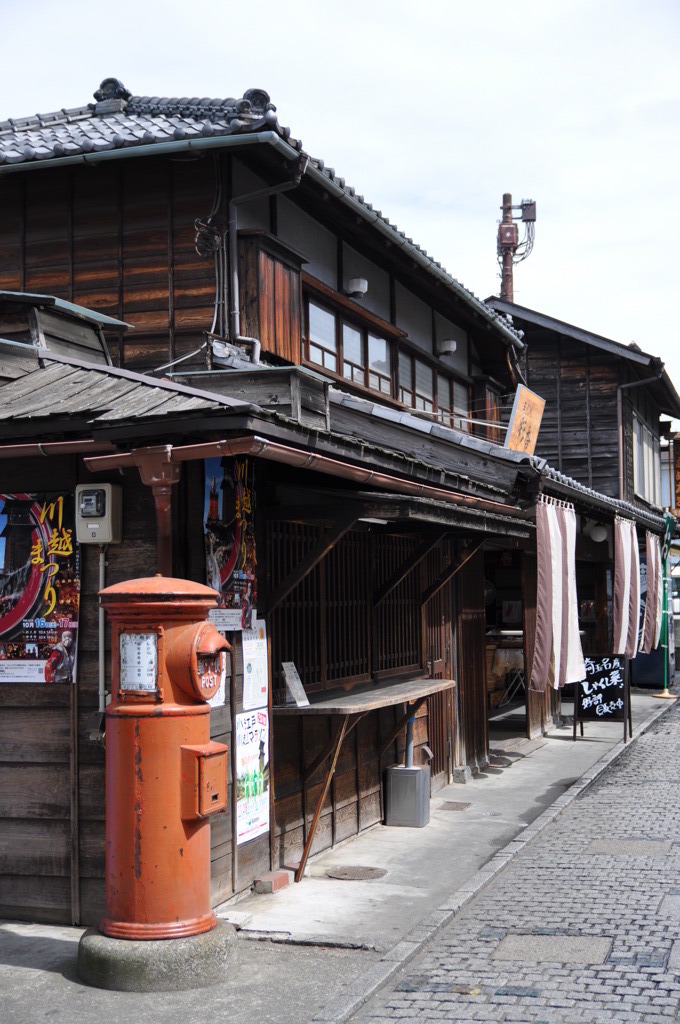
[{"x": 407, "y": 795}]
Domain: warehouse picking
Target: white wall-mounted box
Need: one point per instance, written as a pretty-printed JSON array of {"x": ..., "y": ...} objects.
[{"x": 99, "y": 513}]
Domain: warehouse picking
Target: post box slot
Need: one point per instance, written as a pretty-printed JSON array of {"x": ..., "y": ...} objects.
[{"x": 204, "y": 779}]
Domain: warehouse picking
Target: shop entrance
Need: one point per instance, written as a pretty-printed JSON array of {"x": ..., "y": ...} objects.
[{"x": 506, "y": 678}]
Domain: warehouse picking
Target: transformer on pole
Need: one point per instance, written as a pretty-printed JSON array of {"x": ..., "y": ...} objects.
[{"x": 510, "y": 249}]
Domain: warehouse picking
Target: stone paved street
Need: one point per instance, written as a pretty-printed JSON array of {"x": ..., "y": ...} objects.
[{"x": 582, "y": 927}]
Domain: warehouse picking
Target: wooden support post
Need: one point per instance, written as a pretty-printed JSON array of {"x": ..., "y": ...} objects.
[
  {"x": 322, "y": 796},
  {"x": 327, "y": 751},
  {"x": 74, "y": 800}
]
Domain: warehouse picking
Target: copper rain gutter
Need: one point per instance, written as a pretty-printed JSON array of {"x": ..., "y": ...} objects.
[{"x": 259, "y": 447}]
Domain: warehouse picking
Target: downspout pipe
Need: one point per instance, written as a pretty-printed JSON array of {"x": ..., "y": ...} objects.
[
  {"x": 619, "y": 419},
  {"x": 235, "y": 335}
]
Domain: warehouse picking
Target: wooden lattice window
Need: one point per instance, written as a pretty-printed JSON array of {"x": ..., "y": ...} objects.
[
  {"x": 326, "y": 623},
  {"x": 397, "y": 620}
]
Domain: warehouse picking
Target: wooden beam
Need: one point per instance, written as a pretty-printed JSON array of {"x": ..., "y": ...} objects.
[
  {"x": 450, "y": 572},
  {"x": 328, "y": 750},
  {"x": 312, "y": 511},
  {"x": 325, "y": 544},
  {"x": 406, "y": 567},
  {"x": 322, "y": 796}
]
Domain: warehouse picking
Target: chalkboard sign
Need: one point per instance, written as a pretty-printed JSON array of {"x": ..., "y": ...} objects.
[{"x": 602, "y": 694}]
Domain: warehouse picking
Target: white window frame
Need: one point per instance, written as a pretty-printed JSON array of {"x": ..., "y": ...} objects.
[{"x": 646, "y": 462}]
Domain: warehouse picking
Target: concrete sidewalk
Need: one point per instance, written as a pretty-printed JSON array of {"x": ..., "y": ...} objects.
[{"x": 318, "y": 949}]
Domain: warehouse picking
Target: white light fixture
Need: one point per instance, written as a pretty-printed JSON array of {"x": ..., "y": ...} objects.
[
  {"x": 596, "y": 531},
  {"x": 357, "y": 287},
  {"x": 446, "y": 347}
]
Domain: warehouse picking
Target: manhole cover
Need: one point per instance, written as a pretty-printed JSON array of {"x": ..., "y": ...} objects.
[
  {"x": 453, "y": 805},
  {"x": 355, "y": 873}
]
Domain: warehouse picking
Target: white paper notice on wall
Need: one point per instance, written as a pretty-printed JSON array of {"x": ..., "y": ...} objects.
[
  {"x": 294, "y": 684},
  {"x": 255, "y": 670},
  {"x": 227, "y": 620}
]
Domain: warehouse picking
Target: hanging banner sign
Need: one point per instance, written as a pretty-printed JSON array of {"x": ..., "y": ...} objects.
[
  {"x": 525, "y": 421},
  {"x": 39, "y": 588},
  {"x": 252, "y": 775},
  {"x": 229, "y": 530}
]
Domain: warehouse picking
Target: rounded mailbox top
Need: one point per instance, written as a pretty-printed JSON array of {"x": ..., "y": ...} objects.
[
  {"x": 162, "y": 596},
  {"x": 160, "y": 587}
]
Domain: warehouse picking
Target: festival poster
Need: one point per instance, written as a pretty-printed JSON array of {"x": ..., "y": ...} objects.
[
  {"x": 252, "y": 775},
  {"x": 229, "y": 530},
  {"x": 39, "y": 589}
]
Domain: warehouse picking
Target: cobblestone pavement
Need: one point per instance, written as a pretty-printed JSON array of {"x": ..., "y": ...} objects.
[{"x": 582, "y": 927}]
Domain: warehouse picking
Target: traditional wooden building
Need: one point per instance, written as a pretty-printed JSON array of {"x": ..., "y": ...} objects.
[
  {"x": 306, "y": 414},
  {"x": 603, "y": 427},
  {"x": 604, "y": 403}
]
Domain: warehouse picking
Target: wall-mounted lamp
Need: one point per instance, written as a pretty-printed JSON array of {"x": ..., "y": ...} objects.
[
  {"x": 596, "y": 531},
  {"x": 446, "y": 347},
  {"x": 357, "y": 287}
]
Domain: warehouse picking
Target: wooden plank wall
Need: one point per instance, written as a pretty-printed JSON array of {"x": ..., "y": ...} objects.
[
  {"x": 270, "y": 296},
  {"x": 120, "y": 240},
  {"x": 579, "y": 431},
  {"x": 35, "y": 808}
]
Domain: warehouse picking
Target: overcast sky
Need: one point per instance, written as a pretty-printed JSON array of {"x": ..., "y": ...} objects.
[{"x": 432, "y": 110}]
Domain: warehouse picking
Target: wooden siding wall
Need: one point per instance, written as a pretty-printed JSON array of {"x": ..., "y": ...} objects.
[
  {"x": 579, "y": 431},
  {"x": 120, "y": 237},
  {"x": 270, "y": 296},
  {"x": 120, "y": 240}
]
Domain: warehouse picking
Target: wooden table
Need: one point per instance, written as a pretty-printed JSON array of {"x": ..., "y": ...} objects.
[{"x": 352, "y": 707}]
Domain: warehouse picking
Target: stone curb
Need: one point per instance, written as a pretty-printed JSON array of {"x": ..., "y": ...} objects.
[{"x": 363, "y": 988}]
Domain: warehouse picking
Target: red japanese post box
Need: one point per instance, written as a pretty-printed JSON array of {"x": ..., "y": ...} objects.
[{"x": 164, "y": 776}]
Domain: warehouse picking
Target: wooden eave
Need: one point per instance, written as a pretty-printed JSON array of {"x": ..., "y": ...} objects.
[{"x": 67, "y": 399}]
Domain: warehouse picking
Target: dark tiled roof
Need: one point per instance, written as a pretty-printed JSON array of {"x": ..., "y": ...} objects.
[
  {"x": 119, "y": 120},
  {"x": 121, "y": 124}
]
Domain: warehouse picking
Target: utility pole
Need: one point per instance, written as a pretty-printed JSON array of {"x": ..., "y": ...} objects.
[{"x": 509, "y": 248}]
